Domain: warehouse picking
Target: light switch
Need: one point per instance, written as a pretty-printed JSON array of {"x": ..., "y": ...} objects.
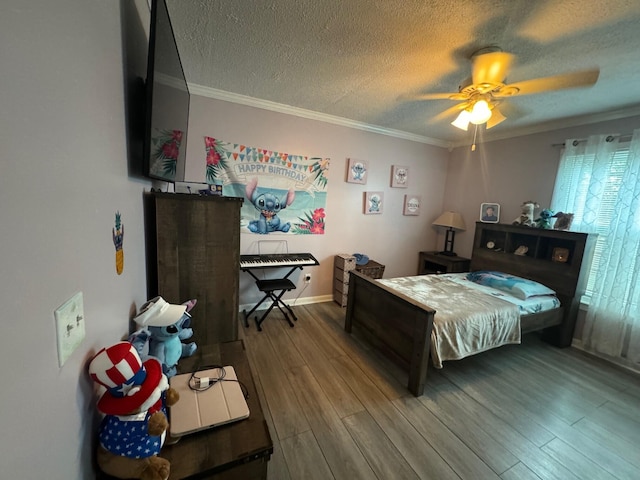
[{"x": 69, "y": 327}]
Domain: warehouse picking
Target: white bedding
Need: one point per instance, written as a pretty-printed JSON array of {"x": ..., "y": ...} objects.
[{"x": 467, "y": 320}]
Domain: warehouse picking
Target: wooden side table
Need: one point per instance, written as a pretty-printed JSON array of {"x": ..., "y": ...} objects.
[
  {"x": 238, "y": 450},
  {"x": 434, "y": 262}
]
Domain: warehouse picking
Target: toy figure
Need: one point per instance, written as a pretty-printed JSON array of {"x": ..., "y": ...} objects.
[
  {"x": 268, "y": 205},
  {"x": 162, "y": 328},
  {"x": 526, "y": 217},
  {"x": 563, "y": 221},
  {"x": 133, "y": 402},
  {"x": 544, "y": 220}
]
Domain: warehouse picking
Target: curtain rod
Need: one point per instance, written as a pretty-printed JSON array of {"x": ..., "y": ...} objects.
[{"x": 610, "y": 138}]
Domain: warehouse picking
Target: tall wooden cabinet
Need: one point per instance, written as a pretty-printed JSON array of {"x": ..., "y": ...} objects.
[{"x": 193, "y": 251}]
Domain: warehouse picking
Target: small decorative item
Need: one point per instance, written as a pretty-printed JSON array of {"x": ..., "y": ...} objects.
[
  {"x": 118, "y": 237},
  {"x": 526, "y": 216},
  {"x": 411, "y": 205},
  {"x": 489, "y": 212},
  {"x": 373, "y": 202},
  {"x": 399, "y": 176},
  {"x": 560, "y": 255},
  {"x": 357, "y": 171},
  {"x": 521, "y": 250},
  {"x": 563, "y": 221},
  {"x": 491, "y": 245},
  {"x": 544, "y": 220}
]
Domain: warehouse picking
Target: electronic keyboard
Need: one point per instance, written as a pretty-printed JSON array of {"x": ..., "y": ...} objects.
[{"x": 277, "y": 260}]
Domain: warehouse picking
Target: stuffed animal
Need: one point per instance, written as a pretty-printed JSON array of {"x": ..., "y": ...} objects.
[
  {"x": 134, "y": 399},
  {"x": 563, "y": 221},
  {"x": 544, "y": 220},
  {"x": 526, "y": 215},
  {"x": 163, "y": 326}
]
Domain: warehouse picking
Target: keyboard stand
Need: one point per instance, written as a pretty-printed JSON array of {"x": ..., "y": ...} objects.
[{"x": 273, "y": 290}]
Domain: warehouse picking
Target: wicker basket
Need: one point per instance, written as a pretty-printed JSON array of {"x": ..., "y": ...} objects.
[{"x": 371, "y": 269}]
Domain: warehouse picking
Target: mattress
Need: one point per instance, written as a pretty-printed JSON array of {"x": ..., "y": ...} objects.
[{"x": 470, "y": 318}]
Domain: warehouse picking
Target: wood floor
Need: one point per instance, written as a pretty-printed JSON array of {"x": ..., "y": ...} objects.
[{"x": 530, "y": 411}]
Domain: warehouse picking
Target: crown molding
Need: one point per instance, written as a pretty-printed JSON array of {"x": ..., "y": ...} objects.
[{"x": 310, "y": 114}]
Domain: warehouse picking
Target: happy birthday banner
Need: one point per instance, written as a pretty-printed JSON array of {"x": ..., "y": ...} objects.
[{"x": 283, "y": 193}]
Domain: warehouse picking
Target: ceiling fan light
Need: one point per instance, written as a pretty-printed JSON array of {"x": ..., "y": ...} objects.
[
  {"x": 462, "y": 121},
  {"x": 480, "y": 112}
]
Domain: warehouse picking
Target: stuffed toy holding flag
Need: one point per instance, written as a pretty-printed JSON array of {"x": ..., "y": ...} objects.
[{"x": 134, "y": 398}]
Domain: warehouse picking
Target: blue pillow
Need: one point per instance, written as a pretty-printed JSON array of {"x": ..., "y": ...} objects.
[{"x": 521, "y": 288}]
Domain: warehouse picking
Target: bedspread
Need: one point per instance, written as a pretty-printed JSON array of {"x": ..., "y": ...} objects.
[{"x": 466, "y": 322}]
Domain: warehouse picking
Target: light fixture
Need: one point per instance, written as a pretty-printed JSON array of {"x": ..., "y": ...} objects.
[
  {"x": 480, "y": 112},
  {"x": 477, "y": 114},
  {"x": 453, "y": 221}
]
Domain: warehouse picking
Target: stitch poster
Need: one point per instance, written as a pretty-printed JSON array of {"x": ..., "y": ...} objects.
[{"x": 283, "y": 193}]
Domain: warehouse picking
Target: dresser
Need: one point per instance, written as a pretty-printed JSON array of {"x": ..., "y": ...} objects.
[{"x": 193, "y": 251}]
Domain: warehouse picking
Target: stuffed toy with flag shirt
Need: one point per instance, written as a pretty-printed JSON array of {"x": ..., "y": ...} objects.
[{"x": 134, "y": 399}]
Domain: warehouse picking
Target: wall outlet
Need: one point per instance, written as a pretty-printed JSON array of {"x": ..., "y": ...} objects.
[
  {"x": 69, "y": 327},
  {"x": 307, "y": 278}
]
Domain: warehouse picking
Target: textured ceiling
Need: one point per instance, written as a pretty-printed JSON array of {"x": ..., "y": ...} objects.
[{"x": 360, "y": 59}]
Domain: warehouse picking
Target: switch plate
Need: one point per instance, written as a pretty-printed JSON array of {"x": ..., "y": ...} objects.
[{"x": 69, "y": 327}]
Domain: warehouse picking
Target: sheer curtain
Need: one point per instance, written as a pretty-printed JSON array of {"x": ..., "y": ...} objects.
[{"x": 599, "y": 182}]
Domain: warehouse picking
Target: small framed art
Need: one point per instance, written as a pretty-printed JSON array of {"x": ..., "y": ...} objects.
[
  {"x": 490, "y": 213},
  {"x": 411, "y": 205},
  {"x": 357, "y": 171},
  {"x": 399, "y": 176},
  {"x": 373, "y": 202}
]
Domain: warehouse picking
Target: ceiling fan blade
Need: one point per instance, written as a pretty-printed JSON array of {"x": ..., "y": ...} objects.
[
  {"x": 581, "y": 79},
  {"x": 491, "y": 67},
  {"x": 496, "y": 118},
  {"x": 432, "y": 96}
]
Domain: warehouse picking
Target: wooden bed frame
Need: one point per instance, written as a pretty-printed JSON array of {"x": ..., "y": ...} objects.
[{"x": 400, "y": 327}]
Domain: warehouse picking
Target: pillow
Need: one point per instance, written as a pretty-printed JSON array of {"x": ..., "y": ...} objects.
[{"x": 521, "y": 288}]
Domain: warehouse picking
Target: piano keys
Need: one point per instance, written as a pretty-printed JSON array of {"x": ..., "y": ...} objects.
[{"x": 277, "y": 260}]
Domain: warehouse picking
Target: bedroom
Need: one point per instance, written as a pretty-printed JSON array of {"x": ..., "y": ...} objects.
[{"x": 58, "y": 211}]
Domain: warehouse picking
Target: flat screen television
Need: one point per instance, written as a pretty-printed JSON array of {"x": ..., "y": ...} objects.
[{"x": 167, "y": 102}]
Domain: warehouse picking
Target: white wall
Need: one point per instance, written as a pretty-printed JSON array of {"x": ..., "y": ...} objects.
[
  {"x": 509, "y": 172},
  {"x": 390, "y": 238},
  {"x": 63, "y": 175}
]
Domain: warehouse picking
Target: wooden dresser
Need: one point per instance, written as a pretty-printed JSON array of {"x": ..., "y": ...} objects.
[{"x": 193, "y": 251}]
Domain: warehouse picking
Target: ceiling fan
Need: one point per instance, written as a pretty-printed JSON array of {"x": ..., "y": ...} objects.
[{"x": 480, "y": 95}]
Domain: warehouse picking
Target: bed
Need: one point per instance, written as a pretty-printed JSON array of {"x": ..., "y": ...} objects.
[{"x": 400, "y": 324}]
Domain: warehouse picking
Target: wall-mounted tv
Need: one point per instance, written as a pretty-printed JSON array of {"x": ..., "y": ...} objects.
[{"x": 167, "y": 101}]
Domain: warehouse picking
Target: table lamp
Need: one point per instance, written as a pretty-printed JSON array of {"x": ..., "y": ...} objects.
[{"x": 453, "y": 221}]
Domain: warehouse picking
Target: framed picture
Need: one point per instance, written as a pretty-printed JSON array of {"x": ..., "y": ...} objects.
[
  {"x": 489, "y": 212},
  {"x": 411, "y": 205},
  {"x": 357, "y": 171},
  {"x": 399, "y": 176},
  {"x": 373, "y": 202}
]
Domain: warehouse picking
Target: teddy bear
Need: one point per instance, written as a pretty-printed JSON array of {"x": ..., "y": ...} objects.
[
  {"x": 163, "y": 326},
  {"x": 544, "y": 220},
  {"x": 526, "y": 215},
  {"x": 563, "y": 221},
  {"x": 134, "y": 401}
]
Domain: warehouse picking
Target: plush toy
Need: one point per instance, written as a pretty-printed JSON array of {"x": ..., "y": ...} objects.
[
  {"x": 134, "y": 400},
  {"x": 163, "y": 326},
  {"x": 526, "y": 215},
  {"x": 544, "y": 220},
  {"x": 563, "y": 221}
]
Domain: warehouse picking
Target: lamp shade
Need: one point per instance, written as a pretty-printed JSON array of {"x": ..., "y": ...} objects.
[
  {"x": 480, "y": 112},
  {"x": 450, "y": 219},
  {"x": 462, "y": 121}
]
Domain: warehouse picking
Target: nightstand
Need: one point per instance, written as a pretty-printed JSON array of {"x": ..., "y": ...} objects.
[{"x": 434, "y": 262}]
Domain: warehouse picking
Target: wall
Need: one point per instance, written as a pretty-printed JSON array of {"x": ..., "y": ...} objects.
[
  {"x": 511, "y": 171},
  {"x": 390, "y": 238},
  {"x": 64, "y": 173}
]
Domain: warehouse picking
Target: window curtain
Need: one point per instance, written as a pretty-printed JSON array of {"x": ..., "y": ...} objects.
[{"x": 602, "y": 189}]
